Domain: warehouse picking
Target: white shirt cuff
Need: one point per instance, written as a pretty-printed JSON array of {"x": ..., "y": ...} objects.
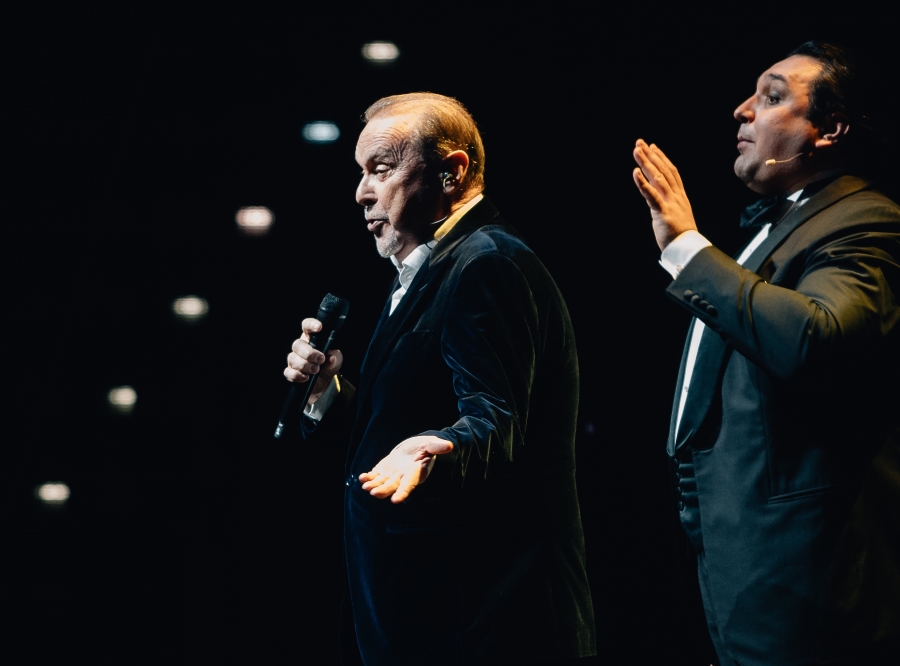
[
  {"x": 317, "y": 410},
  {"x": 680, "y": 251}
]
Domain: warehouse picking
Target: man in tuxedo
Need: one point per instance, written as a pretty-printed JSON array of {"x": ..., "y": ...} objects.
[
  {"x": 468, "y": 393},
  {"x": 787, "y": 386}
]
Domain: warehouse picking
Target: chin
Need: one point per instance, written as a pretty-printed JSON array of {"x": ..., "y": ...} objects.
[
  {"x": 387, "y": 246},
  {"x": 747, "y": 173}
]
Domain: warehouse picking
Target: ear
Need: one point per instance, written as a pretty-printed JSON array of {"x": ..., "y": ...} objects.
[
  {"x": 833, "y": 130},
  {"x": 453, "y": 171}
]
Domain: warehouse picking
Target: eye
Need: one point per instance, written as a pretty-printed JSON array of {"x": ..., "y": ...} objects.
[
  {"x": 382, "y": 170},
  {"x": 773, "y": 98}
]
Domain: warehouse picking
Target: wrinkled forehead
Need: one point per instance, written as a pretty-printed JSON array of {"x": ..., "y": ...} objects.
[
  {"x": 798, "y": 72},
  {"x": 393, "y": 135}
]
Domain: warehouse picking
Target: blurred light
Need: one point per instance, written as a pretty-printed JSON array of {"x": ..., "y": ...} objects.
[
  {"x": 380, "y": 51},
  {"x": 53, "y": 493},
  {"x": 590, "y": 428},
  {"x": 190, "y": 308},
  {"x": 122, "y": 399},
  {"x": 254, "y": 220},
  {"x": 321, "y": 131}
]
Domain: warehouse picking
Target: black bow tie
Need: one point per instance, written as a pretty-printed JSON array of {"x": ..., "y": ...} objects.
[{"x": 765, "y": 211}]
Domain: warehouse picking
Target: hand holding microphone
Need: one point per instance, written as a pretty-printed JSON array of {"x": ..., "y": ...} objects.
[{"x": 312, "y": 363}]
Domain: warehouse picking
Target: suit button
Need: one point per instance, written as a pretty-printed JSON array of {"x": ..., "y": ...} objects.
[
  {"x": 688, "y": 293},
  {"x": 711, "y": 311},
  {"x": 703, "y": 304},
  {"x": 679, "y": 489},
  {"x": 695, "y": 299},
  {"x": 678, "y": 480},
  {"x": 350, "y": 480},
  {"x": 680, "y": 505}
]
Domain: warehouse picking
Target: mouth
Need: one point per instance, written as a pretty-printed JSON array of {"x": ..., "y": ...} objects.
[
  {"x": 743, "y": 141},
  {"x": 374, "y": 225}
]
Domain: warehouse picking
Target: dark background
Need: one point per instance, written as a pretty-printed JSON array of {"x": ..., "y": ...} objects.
[{"x": 129, "y": 140}]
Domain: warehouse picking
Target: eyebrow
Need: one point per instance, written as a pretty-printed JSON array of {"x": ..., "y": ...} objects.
[{"x": 778, "y": 77}]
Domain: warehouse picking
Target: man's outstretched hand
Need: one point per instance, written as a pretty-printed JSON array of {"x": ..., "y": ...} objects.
[
  {"x": 404, "y": 468},
  {"x": 660, "y": 184}
]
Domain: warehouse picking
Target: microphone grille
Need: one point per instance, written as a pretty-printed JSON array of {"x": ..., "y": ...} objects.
[{"x": 333, "y": 310}]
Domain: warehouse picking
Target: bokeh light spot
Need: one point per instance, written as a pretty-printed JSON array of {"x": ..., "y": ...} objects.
[
  {"x": 122, "y": 399},
  {"x": 190, "y": 308},
  {"x": 53, "y": 494},
  {"x": 254, "y": 220},
  {"x": 381, "y": 52},
  {"x": 321, "y": 131}
]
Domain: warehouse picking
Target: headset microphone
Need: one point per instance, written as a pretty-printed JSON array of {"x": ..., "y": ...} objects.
[{"x": 771, "y": 162}]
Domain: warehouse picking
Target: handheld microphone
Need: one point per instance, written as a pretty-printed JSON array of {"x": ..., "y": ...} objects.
[
  {"x": 771, "y": 162},
  {"x": 332, "y": 313}
]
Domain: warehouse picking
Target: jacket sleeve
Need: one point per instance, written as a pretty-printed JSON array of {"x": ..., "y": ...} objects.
[
  {"x": 490, "y": 342},
  {"x": 845, "y": 296}
]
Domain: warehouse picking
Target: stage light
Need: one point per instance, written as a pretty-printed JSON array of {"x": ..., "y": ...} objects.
[
  {"x": 380, "y": 52},
  {"x": 190, "y": 308},
  {"x": 122, "y": 399},
  {"x": 321, "y": 131},
  {"x": 54, "y": 494},
  {"x": 254, "y": 220}
]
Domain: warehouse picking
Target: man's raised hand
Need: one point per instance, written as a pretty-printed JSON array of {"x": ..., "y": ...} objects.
[
  {"x": 404, "y": 468},
  {"x": 658, "y": 181},
  {"x": 304, "y": 361}
]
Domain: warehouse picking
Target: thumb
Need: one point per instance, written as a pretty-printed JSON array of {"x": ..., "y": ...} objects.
[{"x": 438, "y": 446}]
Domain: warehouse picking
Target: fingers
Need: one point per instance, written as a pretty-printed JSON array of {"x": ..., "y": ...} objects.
[
  {"x": 651, "y": 196},
  {"x": 310, "y": 326},
  {"x": 657, "y": 168},
  {"x": 335, "y": 361},
  {"x": 302, "y": 348},
  {"x": 666, "y": 165},
  {"x": 407, "y": 466},
  {"x": 403, "y": 490},
  {"x": 438, "y": 447}
]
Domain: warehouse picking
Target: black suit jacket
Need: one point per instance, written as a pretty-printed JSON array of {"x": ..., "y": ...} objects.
[
  {"x": 794, "y": 391},
  {"x": 485, "y": 562}
]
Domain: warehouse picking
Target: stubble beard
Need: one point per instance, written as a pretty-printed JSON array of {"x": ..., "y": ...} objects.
[{"x": 388, "y": 243}]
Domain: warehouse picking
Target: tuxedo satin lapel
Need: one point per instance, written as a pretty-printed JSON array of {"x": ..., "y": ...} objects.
[
  {"x": 708, "y": 367},
  {"x": 836, "y": 190},
  {"x": 670, "y": 442}
]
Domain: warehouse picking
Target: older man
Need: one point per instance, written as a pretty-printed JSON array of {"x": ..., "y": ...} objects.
[
  {"x": 467, "y": 395},
  {"x": 788, "y": 382}
]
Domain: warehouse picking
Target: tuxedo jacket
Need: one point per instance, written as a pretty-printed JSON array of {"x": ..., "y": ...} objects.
[
  {"x": 484, "y": 563},
  {"x": 794, "y": 390}
]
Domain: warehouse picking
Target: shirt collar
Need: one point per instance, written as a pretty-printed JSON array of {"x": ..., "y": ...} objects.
[{"x": 412, "y": 263}]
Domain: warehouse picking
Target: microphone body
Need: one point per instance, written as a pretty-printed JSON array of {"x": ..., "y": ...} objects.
[
  {"x": 774, "y": 161},
  {"x": 332, "y": 313}
]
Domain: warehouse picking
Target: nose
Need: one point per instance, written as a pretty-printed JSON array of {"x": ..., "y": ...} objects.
[
  {"x": 744, "y": 112},
  {"x": 365, "y": 195}
]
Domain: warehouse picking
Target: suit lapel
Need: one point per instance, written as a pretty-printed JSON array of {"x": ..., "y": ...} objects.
[{"x": 713, "y": 351}]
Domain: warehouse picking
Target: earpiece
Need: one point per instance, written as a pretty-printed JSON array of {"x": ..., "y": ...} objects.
[{"x": 447, "y": 178}]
